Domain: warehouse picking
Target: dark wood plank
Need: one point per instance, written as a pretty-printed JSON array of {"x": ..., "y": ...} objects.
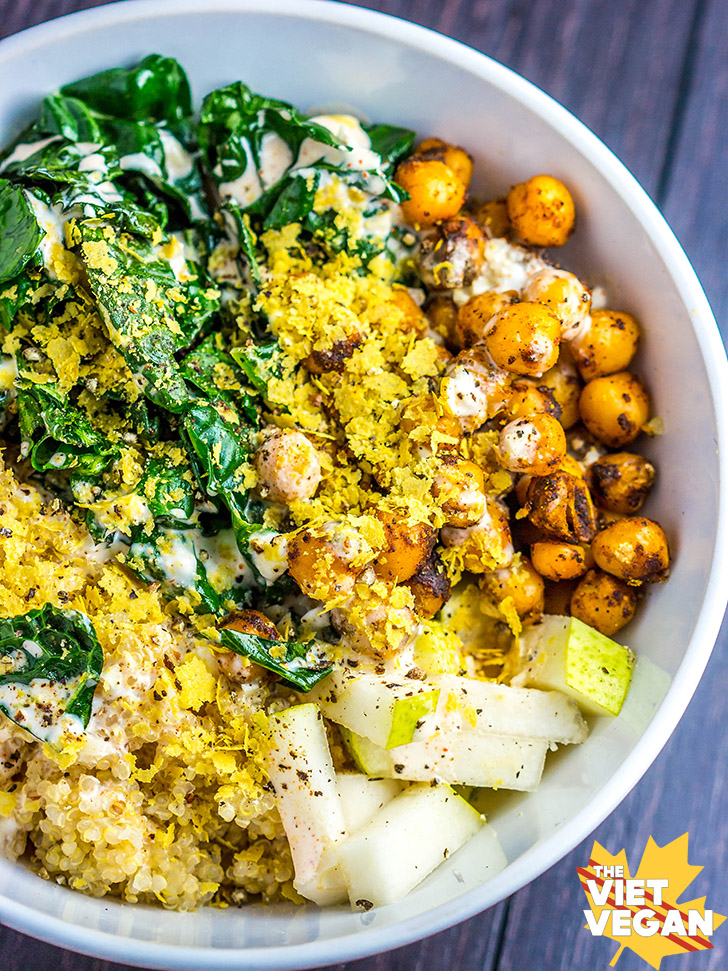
[
  {"x": 16, "y": 15},
  {"x": 695, "y": 197},
  {"x": 617, "y": 66}
]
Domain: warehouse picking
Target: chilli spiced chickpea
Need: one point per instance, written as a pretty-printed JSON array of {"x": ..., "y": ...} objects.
[{"x": 288, "y": 415}]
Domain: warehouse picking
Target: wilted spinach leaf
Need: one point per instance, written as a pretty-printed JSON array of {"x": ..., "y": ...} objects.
[
  {"x": 156, "y": 89},
  {"x": 294, "y": 661},
  {"x": 149, "y": 312},
  {"x": 20, "y": 233},
  {"x": 53, "y": 645},
  {"x": 60, "y": 435}
]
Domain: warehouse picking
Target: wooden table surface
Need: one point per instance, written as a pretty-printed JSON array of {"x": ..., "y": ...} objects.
[{"x": 650, "y": 77}]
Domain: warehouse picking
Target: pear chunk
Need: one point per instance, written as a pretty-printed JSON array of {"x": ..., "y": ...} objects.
[
  {"x": 404, "y": 842},
  {"x": 459, "y": 758},
  {"x": 387, "y": 710},
  {"x": 564, "y": 654},
  {"x": 300, "y": 767}
]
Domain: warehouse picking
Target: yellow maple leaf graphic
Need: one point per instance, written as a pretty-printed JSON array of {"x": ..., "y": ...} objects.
[{"x": 670, "y": 863}]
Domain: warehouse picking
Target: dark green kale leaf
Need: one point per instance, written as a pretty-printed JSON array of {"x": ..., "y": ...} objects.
[
  {"x": 221, "y": 447},
  {"x": 58, "y": 435},
  {"x": 67, "y": 117},
  {"x": 297, "y": 663},
  {"x": 389, "y": 142},
  {"x": 53, "y": 645},
  {"x": 169, "y": 491},
  {"x": 20, "y": 233},
  {"x": 155, "y": 89},
  {"x": 150, "y": 313},
  {"x": 259, "y": 363},
  {"x": 213, "y": 371},
  {"x": 169, "y": 556}
]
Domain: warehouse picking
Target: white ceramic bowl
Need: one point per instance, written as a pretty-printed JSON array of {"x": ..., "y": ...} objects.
[{"x": 324, "y": 55}]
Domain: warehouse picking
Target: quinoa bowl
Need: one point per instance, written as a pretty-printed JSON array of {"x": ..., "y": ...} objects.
[{"x": 654, "y": 282}]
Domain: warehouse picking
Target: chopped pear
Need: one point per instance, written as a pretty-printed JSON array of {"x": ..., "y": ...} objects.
[
  {"x": 361, "y": 797},
  {"x": 564, "y": 654},
  {"x": 467, "y": 759},
  {"x": 459, "y": 758},
  {"x": 300, "y": 767},
  {"x": 372, "y": 759},
  {"x": 387, "y": 710},
  {"x": 404, "y": 842},
  {"x": 485, "y": 707}
]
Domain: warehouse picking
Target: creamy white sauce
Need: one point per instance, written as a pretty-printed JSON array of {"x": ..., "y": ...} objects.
[
  {"x": 355, "y": 154},
  {"x": 506, "y": 267},
  {"x": 25, "y": 150},
  {"x": 275, "y": 158},
  {"x": 93, "y": 163},
  {"x": 140, "y": 162},
  {"x": 178, "y": 562},
  {"x": 224, "y": 566},
  {"x": 269, "y": 553},
  {"x": 51, "y": 220},
  {"x": 177, "y": 160},
  {"x": 246, "y": 188},
  {"x": 39, "y": 708}
]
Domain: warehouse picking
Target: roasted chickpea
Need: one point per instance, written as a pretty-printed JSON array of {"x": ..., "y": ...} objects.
[
  {"x": 333, "y": 357},
  {"x": 430, "y": 587},
  {"x": 443, "y": 317},
  {"x": 535, "y": 445},
  {"x": 621, "y": 481},
  {"x": 521, "y": 583},
  {"x": 524, "y": 338},
  {"x": 633, "y": 549},
  {"x": 251, "y": 622},
  {"x": 475, "y": 315},
  {"x": 541, "y": 211},
  {"x": 563, "y": 293},
  {"x": 571, "y": 465},
  {"x": 406, "y": 545},
  {"x": 460, "y": 487},
  {"x": 236, "y": 667},
  {"x": 434, "y": 190},
  {"x": 429, "y": 424},
  {"x": 493, "y": 217},
  {"x": 413, "y": 318},
  {"x": 603, "y": 602},
  {"x": 487, "y": 544},
  {"x": 564, "y": 383},
  {"x": 607, "y": 345},
  {"x": 567, "y": 464},
  {"x": 559, "y": 561},
  {"x": 380, "y": 623},
  {"x": 615, "y": 408},
  {"x": 457, "y": 159},
  {"x": 326, "y": 561},
  {"x": 288, "y": 466},
  {"x": 451, "y": 254},
  {"x": 560, "y": 505},
  {"x": 530, "y": 398},
  {"x": 473, "y": 389}
]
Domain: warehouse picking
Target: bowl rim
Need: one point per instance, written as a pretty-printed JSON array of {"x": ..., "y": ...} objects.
[{"x": 373, "y": 940}]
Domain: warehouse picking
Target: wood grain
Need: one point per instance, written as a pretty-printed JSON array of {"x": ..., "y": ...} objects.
[{"x": 650, "y": 77}]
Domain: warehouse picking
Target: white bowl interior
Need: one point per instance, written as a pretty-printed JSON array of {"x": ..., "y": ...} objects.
[{"x": 394, "y": 72}]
